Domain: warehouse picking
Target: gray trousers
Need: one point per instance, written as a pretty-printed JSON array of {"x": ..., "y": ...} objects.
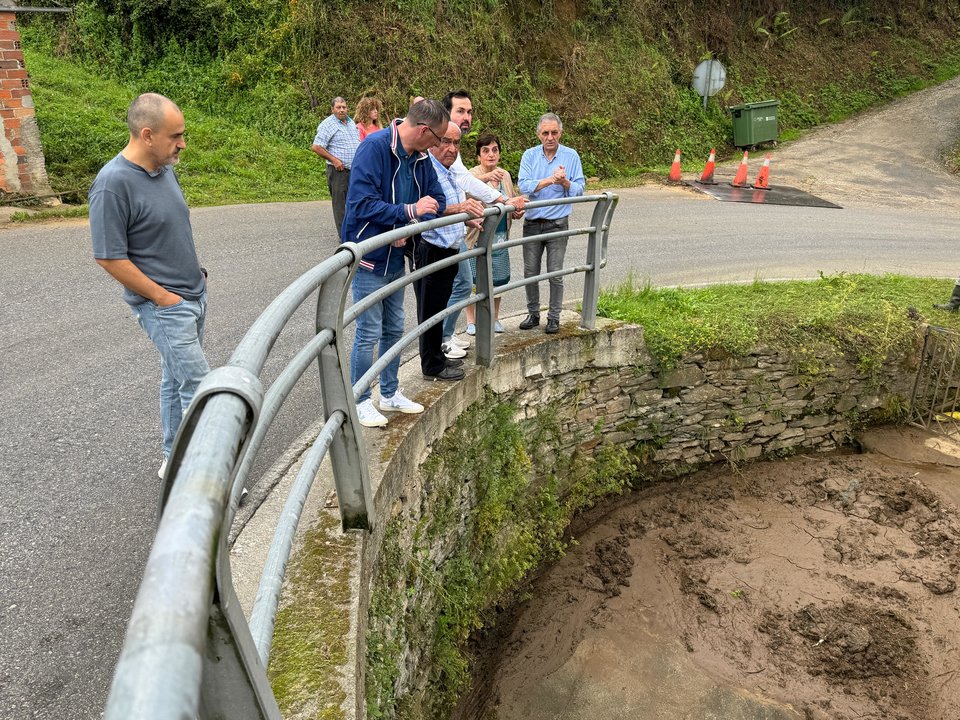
[
  {"x": 338, "y": 183},
  {"x": 532, "y": 260}
]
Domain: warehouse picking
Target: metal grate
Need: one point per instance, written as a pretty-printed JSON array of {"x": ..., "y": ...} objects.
[{"x": 935, "y": 404}]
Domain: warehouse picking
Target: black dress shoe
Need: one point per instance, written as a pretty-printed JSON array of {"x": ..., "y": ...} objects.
[
  {"x": 530, "y": 321},
  {"x": 454, "y": 363},
  {"x": 448, "y": 373},
  {"x": 553, "y": 327}
]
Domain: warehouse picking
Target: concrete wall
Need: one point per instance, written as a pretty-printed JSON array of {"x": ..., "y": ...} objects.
[{"x": 22, "y": 169}]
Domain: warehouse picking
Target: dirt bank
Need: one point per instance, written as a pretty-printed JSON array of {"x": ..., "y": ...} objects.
[{"x": 811, "y": 588}]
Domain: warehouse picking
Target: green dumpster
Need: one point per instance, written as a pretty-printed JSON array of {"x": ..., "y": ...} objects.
[{"x": 754, "y": 123}]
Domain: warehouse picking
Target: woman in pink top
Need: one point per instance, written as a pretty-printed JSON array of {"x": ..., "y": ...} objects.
[{"x": 368, "y": 116}]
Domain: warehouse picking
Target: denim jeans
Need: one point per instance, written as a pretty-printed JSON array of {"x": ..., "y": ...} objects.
[
  {"x": 177, "y": 331},
  {"x": 381, "y": 324},
  {"x": 533, "y": 259},
  {"x": 462, "y": 287}
]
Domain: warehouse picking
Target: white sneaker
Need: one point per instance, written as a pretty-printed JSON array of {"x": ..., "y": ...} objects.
[
  {"x": 369, "y": 416},
  {"x": 453, "y": 352},
  {"x": 460, "y": 342},
  {"x": 399, "y": 403},
  {"x": 163, "y": 468}
]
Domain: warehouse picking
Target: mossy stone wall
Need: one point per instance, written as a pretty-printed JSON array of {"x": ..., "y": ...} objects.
[{"x": 480, "y": 490}]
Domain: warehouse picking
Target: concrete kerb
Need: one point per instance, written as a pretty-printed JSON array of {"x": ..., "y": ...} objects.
[{"x": 258, "y": 518}]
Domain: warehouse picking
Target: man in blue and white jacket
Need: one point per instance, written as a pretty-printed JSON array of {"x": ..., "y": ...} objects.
[{"x": 392, "y": 183}]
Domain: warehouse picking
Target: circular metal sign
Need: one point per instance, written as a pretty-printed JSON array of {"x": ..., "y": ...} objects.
[{"x": 709, "y": 77}]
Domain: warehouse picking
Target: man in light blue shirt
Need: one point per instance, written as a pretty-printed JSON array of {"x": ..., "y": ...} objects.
[
  {"x": 433, "y": 291},
  {"x": 336, "y": 142},
  {"x": 549, "y": 171}
]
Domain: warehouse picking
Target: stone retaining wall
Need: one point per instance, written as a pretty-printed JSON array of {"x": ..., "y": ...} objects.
[{"x": 482, "y": 492}]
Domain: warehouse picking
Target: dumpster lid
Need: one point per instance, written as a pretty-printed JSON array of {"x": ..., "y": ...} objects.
[
  {"x": 761, "y": 104},
  {"x": 754, "y": 105}
]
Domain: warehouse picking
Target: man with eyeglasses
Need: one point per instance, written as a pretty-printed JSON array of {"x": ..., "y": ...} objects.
[
  {"x": 548, "y": 171},
  {"x": 460, "y": 106},
  {"x": 336, "y": 142},
  {"x": 393, "y": 183},
  {"x": 436, "y": 245}
]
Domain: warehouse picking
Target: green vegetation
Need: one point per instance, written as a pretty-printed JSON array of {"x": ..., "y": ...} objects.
[
  {"x": 255, "y": 76},
  {"x": 864, "y": 317},
  {"x": 82, "y": 117},
  {"x": 310, "y": 640},
  {"x": 62, "y": 212},
  {"x": 450, "y": 583}
]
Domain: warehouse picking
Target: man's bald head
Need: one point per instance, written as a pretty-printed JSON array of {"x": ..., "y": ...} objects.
[{"x": 148, "y": 111}]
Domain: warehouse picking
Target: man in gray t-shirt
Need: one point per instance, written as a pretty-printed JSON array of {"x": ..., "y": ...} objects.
[{"x": 142, "y": 237}]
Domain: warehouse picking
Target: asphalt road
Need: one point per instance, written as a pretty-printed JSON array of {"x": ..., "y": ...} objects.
[{"x": 79, "y": 437}]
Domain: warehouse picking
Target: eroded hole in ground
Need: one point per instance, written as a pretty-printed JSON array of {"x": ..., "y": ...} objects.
[{"x": 814, "y": 588}]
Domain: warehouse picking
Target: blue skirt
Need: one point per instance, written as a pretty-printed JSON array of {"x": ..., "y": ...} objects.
[{"x": 500, "y": 260}]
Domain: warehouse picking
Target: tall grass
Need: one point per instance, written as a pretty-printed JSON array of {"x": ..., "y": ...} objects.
[
  {"x": 865, "y": 317},
  {"x": 82, "y": 123}
]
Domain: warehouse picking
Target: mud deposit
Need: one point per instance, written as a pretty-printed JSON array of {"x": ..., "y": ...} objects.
[{"x": 819, "y": 587}]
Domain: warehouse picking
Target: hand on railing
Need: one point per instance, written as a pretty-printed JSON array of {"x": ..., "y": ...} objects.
[
  {"x": 469, "y": 206},
  {"x": 518, "y": 202}
]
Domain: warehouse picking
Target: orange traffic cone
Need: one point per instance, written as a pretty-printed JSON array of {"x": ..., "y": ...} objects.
[
  {"x": 741, "y": 178},
  {"x": 763, "y": 177},
  {"x": 675, "y": 168},
  {"x": 707, "y": 177}
]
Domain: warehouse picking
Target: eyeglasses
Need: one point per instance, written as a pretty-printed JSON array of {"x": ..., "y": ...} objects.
[{"x": 439, "y": 139}]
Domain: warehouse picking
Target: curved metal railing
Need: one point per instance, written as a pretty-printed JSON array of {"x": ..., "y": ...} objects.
[{"x": 189, "y": 651}]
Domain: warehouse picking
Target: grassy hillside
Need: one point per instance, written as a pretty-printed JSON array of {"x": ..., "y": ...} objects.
[
  {"x": 82, "y": 121},
  {"x": 258, "y": 73}
]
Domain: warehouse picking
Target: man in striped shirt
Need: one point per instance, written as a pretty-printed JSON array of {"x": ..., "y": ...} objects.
[
  {"x": 433, "y": 291},
  {"x": 336, "y": 142}
]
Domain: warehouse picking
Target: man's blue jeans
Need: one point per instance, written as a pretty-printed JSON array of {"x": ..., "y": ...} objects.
[
  {"x": 383, "y": 324},
  {"x": 177, "y": 331},
  {"x": 462, "y": 287}
]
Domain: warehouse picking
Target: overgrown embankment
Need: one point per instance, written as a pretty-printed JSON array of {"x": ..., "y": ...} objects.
[{"x": 260, "y": 72}]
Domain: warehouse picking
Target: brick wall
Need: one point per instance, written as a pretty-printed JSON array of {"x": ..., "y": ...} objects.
[{"x": 22, "y": 169}]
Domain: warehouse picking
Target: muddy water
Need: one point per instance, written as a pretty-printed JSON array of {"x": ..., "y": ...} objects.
[{"x": 814, "y": 588}]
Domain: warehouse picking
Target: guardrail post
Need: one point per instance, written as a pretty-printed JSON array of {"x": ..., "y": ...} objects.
[
  {"x": 591, "y": 279},
  {"x": 485, "y": 308},
  {"x": 347, "y": 451},
  {"x": 235, "y": 684}
]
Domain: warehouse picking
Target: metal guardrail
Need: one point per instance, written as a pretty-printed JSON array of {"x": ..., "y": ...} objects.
[{"x": 189, "y": 651}]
